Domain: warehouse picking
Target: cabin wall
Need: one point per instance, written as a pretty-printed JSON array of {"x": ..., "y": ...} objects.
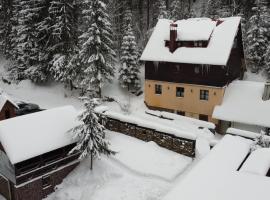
[
  {"x": 7, "y": 107},
  {"x": 190, "y": 103},
  {"x": 4, "y": 188},
  {"x": 209, "y": 75},
  {"x": 36, "y": 190}
]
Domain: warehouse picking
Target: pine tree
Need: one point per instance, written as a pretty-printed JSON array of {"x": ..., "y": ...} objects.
[
  {"x": 213, "y": 8},
  {"x": 257, "y": 40},
  {"x": 25, "y": 47},
  {"x": 163, "y": 13},
  {"x": 90, "y": 134},
  {"x": 267, "y": 62},
  {"x": 5, "y": 25},
  {"x": 176, "y": 10},
  {"x": 129, "y": 71},
  {"x": 62, "y": 26},
  {"x": 179, "y": 10},
  {"x": 96, "y": 53}
]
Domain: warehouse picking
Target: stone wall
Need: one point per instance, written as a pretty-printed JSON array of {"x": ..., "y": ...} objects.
[{"x": 177, "y": 144}]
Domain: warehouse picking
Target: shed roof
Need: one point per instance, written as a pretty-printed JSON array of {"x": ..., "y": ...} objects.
[
  {"x": 34, "y": 134},
  {"x": 243, "y": 103},
  {"x": 216, "y": 53}
]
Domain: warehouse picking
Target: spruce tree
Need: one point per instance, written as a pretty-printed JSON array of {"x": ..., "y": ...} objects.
[
  {"x": 267, "y": 62},
  {"x": 90, "y": 134},
  {"x": 96, "y": 53},
  {"x": 129, "y": 70},
  {"x": 176, "y": 10},
  {"x": 25, "y": 47},
  {"x": 163, "y": 13},
  {"x": 62, "y": 26},
  {"x": 213, "y": 8},
  {"x": 257, "y": 40}
]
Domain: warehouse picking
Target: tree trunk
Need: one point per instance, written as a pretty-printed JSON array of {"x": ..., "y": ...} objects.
[{"x": 91, "y": 162}]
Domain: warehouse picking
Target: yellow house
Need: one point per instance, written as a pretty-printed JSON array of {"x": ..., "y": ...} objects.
[{"x": 189, "y": 63}]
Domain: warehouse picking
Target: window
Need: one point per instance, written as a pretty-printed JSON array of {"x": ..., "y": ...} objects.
[
  {"x": 204, "y": 94},
  {"x": 180, "y": 112},
  {"x": 158, "y": 89},
  {"x": 7, "y": 114},
  {"x": 46, "y": 181},
  {"x": 203, "y": 118},
  {"x": 180, "y": 91}
]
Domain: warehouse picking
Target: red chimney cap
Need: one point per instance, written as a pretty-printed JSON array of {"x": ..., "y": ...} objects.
[{"x": 173, "y": 25}]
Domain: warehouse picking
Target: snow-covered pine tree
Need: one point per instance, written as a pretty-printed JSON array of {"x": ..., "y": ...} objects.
[
  {"x": 163, "y": 12},
  {"x": 90, "y": 134},
  {"x": 129, "y": 70},
  {"x": 267, "y": 62},
  {"x": 96, "y": 53},
  {"x": 5, "y": 25},
  {"x": 176, "y": 10},
  {"x": 62, "y": 26},
  {"x": 213, "y": 8},
  {"x": 257, "y": 40},
  {"x": 25, "y": 47}
]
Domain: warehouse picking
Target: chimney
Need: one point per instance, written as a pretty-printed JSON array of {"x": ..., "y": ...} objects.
[
  {"x": 173, "y": 36},
  {"x": 266, "y": 92}
]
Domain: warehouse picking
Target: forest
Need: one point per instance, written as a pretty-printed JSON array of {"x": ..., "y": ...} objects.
[{"x": 80, "y": 42}]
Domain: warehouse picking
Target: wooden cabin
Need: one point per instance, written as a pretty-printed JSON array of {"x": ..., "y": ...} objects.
[
  {"x": 7, "y": 107},
  {"x": 189, "y": 63},
  {"x": 35, "y": 153}
]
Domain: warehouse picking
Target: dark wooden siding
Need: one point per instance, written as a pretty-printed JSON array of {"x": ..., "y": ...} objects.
[
  {"x": 7, "y": 107},
  {"x": 34, "y": 190},
  {"x": 212, "y": 75},
  {"x": 43, "y": 164}
]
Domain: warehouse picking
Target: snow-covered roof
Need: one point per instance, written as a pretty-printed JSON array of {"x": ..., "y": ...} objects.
[
  {"x": 243, "y": 103},
  {"x": 216, "y": 176},
  {"x": 258, "y": 162},
  {"x": 31, "y": 135},
  {"x": 4, "y": 98},
  {"x": 194, "y": 29},
  {"x": 216, "y": 53}
]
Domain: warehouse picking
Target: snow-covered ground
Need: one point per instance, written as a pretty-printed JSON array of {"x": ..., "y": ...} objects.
[
  {"x": 147, "y": 158},
  {"x": 1, "y": 197},
  {"x": 139, "y": 171}
]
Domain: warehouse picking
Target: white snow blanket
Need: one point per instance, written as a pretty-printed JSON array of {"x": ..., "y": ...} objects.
[
  {"x": 136, "y": 173},
  {"x": 258, "y": 162},
  {"x": 244, "y": 133},
  {"x": 147, "y": 158},
  {"x": 216, "y": 53},
  {"x": 31, "y": 135},
  {"x": 243, "y": 103},
  {"x": 216, "y": 176}
]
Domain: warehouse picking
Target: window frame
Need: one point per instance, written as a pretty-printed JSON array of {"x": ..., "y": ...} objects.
[
  {"x": 204, "y": 95},
  {"x": 182, "y": 93},
  {"x": 158, "y": 89}
]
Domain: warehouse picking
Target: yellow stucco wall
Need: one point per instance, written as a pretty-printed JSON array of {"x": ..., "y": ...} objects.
[{"x": 190, "y": 103}]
